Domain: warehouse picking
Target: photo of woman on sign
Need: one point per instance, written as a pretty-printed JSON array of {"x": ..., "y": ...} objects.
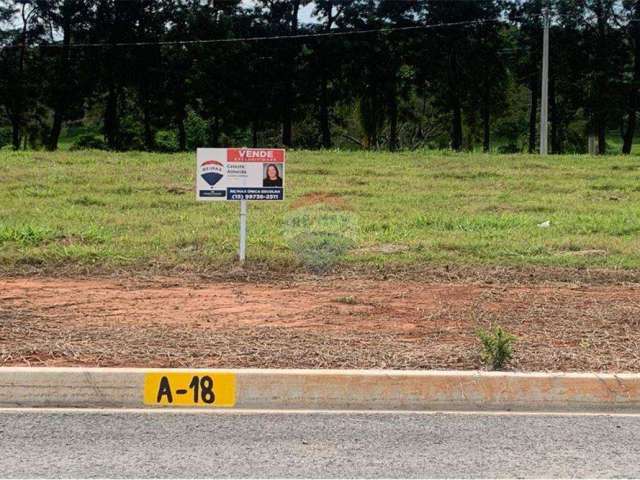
[{"x": 272, "y": 176}]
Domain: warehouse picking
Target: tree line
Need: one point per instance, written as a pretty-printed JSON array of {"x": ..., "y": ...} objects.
[{"x": 171, "y": 75}]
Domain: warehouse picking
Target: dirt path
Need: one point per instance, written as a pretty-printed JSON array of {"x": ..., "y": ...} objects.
[{"x": 319, "y": 323}]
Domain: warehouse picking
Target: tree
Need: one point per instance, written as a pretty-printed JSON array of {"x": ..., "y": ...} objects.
[
  {"x": 70, "y": 19},
  {"x": 109, "y": 26},
  {"x": 177, "y": 63},
  {"x": 150, "y": 18},
  {"x": 329, "y": 12},
  {"x": 485, "y": 71},
  {"x": 282, "y": 18},
  {"x": 18, "y": 90},
  {"x": 527, "y": 16},
  {"x": 603, "y": 44},
  {"x": 463, "y": 66},
  {"x": 632, "y": 10},
  {"x": 450, "y": 52}
]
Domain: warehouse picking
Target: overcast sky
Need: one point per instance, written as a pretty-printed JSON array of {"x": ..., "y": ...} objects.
[{"x": 304, "y": 15}]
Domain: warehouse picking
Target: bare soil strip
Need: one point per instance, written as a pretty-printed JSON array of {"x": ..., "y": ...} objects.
[{"x": 314, "y": 323}]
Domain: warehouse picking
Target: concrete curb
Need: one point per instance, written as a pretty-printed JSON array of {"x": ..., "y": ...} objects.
[{"x": 337, "y": 389}]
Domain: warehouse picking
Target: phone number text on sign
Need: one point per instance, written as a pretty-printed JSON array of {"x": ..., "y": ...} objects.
[
  {"x": 240, "y": 174},
  {"x": 255, "y": 193}
]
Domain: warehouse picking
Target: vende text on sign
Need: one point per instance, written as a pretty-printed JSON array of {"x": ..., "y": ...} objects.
[{"x": 240, "y": 174}]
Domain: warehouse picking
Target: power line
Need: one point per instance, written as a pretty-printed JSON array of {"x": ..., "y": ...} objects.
[{"x": 259, "y": 39}]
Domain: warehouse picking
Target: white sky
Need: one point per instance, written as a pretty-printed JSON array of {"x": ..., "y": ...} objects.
[{"x": 304, "y": 15}]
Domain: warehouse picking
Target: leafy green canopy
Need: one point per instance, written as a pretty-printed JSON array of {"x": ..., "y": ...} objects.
[{"x": 109, "y": 71}]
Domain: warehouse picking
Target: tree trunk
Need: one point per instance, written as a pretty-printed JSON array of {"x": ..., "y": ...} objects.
[
  {"x": 149, "y": 140},
  {"x": 632, "y": 102},
  {"x": 254, "y": 134},
  {"x": 325, "y": 131},
  {"x": 56, "y": 128},
  {"x": 486, "y": 127},
  {"x": 15, "y": 133},
  {"x": 602, "y": 135},
  {"x": 456, "y": 108},
  {"x": 287, "y": 115},
  {"x": 287, "y": 135},
  {"x": 420, "y": 133},
  {"x": 111, "y": 124},
  {"x": 631, "y": 123},
  {"x": 182, "y": 134},
  {"x": 181, "y": 113},
  {"x": 555, "y": 118},
  {"x": 63, "y": 90},
  {"x": 392, "y": 106},
  {"x": 214, "y": 132},
  {"x": 324, "y": 112},
  {"x": 602, "y": 80},
  {"x": 372, "y": 132},
  {"x": 111, "y": 119},
  {"x": 533, "y": 115},
  {"x": 19, "y": 95},
  {"x": 369, "y": 109},
  {"x": 456, "y": 125},
  {"x": 112, "y": 66}
]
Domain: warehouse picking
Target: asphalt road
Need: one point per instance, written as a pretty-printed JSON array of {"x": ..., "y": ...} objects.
[{"x": 159, "y": 444}]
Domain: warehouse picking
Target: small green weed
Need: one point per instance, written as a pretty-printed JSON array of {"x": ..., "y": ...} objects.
[
  {"x": 27, "y": 235},
  {"x": 347, "y": 300},
  {"x": 86, "y": 201},
  {"x": 497, "y": 347}
]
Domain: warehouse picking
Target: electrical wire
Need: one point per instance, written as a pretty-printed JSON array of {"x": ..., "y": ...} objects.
[{"x": 258, "y": 39}]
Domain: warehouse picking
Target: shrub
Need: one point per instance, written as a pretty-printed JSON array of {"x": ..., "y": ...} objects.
[
  {"x": 89, "y": 141},
  {"x": 131, "y": 133},
  {"x": 509, "y": 148},
  {"x": 5, "y": 136},
  {"x": 166, "y": 141},
  {"x": 497, "y": 346},
  {"x": 197, "y": 130}
]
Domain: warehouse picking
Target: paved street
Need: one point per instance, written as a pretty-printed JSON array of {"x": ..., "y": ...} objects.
[{"x": 161, "y": 444}]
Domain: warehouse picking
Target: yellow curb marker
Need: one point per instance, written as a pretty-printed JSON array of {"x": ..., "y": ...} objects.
[{"x": 190, "y": 389}]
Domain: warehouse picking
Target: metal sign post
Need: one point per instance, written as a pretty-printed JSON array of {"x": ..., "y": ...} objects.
[{"x": 242, "y": 254}]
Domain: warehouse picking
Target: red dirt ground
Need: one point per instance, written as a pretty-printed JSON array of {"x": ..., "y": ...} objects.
[{"x": 313, "y": 322}]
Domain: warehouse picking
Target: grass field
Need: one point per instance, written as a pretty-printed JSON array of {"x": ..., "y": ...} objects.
[{"x": 98, "y": 211}]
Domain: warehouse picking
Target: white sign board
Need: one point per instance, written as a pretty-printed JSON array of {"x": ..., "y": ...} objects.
[{"x": 240, "y": 174}]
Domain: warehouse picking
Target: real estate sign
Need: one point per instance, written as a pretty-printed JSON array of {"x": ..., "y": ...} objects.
[{"x": 240, "y": 174}]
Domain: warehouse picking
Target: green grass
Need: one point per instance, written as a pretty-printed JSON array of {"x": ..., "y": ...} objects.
[{"x": 99, "y": 210}]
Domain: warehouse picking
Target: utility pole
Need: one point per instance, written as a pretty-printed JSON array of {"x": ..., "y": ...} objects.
[{"x": 544, "y": 107}]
